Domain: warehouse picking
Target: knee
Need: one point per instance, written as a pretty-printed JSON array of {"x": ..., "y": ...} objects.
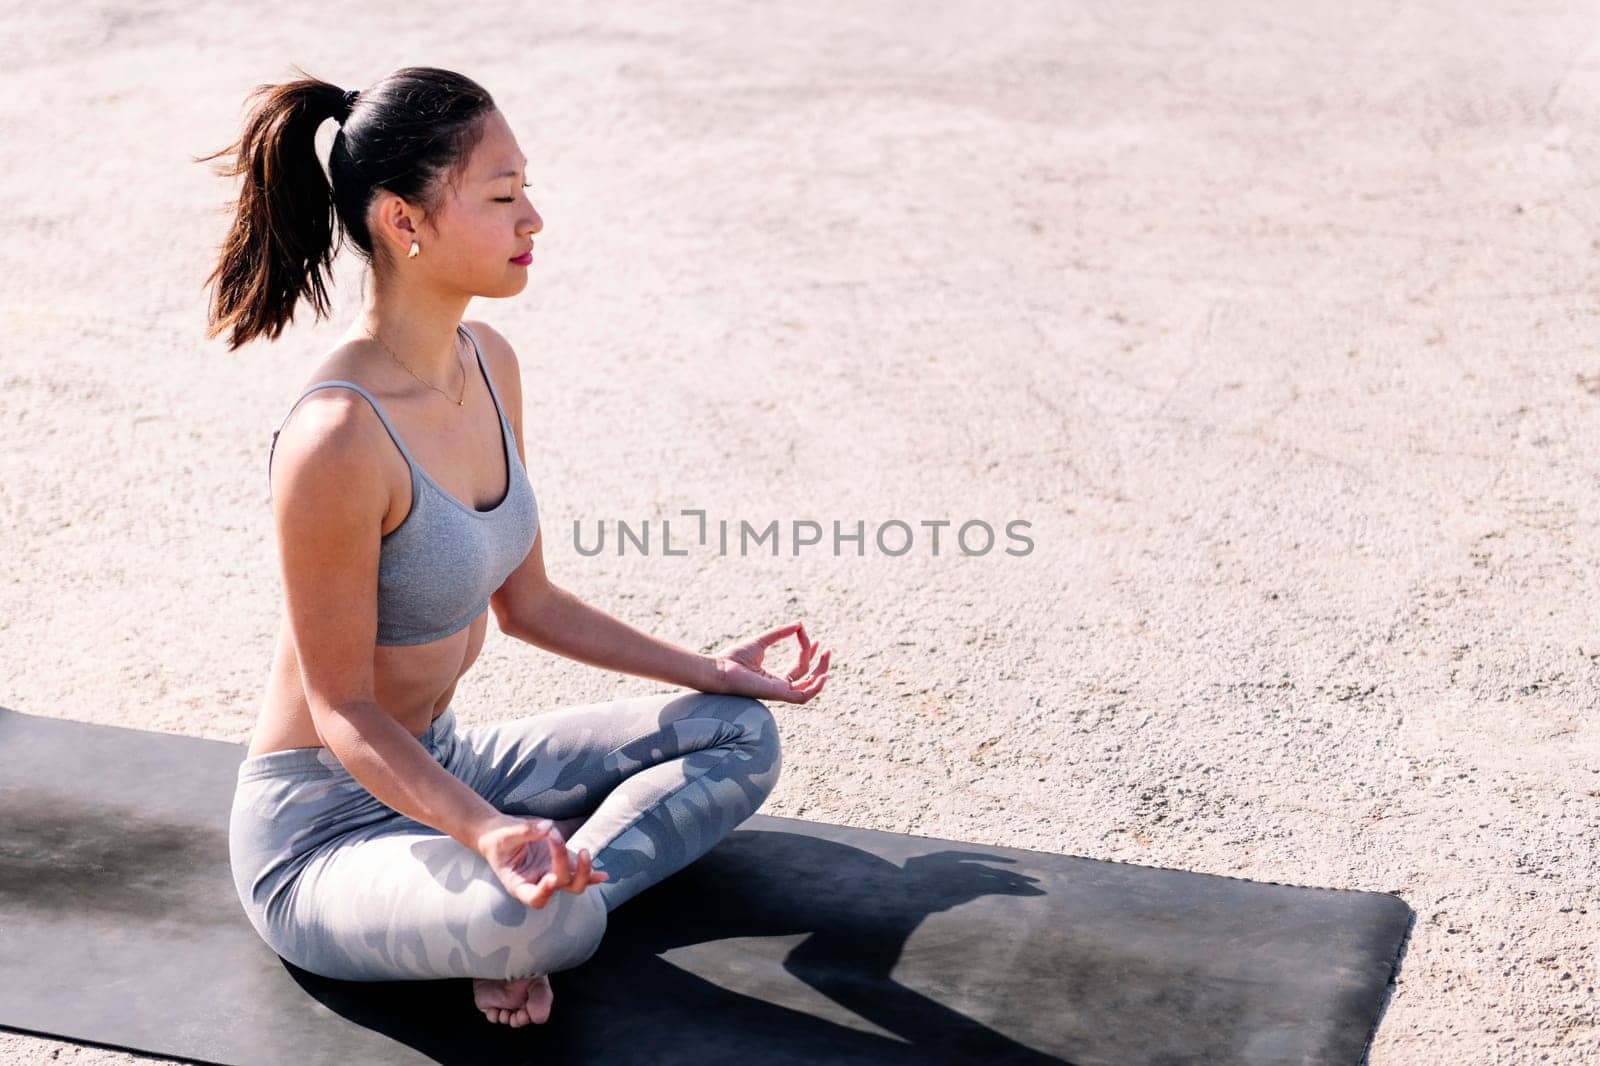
[
  {"x": 563, "y": 934},
  {"x": 754, "y": 718},
  {"x": 587, "y": 929},
  {"x": 762, "y": 741},
  {"x": 747, "y": 729}
]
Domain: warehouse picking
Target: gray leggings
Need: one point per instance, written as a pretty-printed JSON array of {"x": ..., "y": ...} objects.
[{"x": 343, "y": 886}]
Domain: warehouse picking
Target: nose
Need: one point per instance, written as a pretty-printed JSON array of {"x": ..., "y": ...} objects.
[{"x": 536, "y": 225}]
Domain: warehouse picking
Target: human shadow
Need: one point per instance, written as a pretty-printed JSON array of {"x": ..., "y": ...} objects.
[{"x": 775, "y": 944}]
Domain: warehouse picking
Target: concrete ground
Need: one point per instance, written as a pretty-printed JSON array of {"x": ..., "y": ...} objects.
[{"x": 1277, "y": 322}]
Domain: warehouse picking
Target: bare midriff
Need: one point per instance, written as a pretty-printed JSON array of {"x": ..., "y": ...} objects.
[{"x": 414, "y": 683}]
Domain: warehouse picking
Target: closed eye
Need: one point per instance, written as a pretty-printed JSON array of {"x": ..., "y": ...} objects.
[{"x": 509, "y": 199}]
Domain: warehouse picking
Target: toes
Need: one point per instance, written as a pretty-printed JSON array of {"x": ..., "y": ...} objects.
[{"x": 534, "y": 1010}]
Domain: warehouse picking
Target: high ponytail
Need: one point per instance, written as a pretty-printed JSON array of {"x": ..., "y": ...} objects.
[{"x": 403, "y": 134}]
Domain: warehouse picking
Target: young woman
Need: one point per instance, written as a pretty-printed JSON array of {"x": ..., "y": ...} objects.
[{"x": 371, "y": 840}]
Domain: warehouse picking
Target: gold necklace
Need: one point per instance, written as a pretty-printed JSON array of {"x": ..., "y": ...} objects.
[{"x": 454, "y": 348}]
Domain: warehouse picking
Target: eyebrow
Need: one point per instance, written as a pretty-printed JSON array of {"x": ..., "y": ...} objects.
[{"x": 508, "y": 173}]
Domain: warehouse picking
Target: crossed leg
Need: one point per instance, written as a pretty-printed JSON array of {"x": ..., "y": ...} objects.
[
  {"x": 673, "y": 775},
  {"x": 651, "y": 783},
  {"x": 654, "y": 782}
]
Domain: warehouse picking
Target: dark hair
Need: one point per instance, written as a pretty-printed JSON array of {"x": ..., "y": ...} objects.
[{"x": 408, "y": 134}]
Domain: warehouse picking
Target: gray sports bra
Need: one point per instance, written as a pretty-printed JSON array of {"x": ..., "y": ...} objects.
[{"x": 437, "y": 568}]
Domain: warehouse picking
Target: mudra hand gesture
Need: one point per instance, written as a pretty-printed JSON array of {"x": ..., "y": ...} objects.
[
  {"x": 740, "y": 673},
  {"x": 531, "y": 858}
]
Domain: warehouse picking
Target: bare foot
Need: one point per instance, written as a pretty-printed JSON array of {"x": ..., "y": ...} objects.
[{"x": 516, "y": 1002}]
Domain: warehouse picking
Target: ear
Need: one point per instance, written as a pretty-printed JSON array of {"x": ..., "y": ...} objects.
[{"x": 394, "y": 220}]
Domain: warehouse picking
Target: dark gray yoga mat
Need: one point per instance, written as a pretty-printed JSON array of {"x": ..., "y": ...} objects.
[{"x": 791, "y": 942}]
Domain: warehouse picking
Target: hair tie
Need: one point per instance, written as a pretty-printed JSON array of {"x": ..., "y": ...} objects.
[{"x": 347, "y": 103}]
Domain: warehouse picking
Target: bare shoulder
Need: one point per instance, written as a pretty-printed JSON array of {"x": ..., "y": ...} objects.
[
  {"x": 330, "y": 431},
  {"x": 501, "y": 360}
]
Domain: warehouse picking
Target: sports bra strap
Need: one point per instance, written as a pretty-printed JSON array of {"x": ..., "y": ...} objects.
[
  {"x": 484, "y": 370},
  {"x": 388, "y": 425}
]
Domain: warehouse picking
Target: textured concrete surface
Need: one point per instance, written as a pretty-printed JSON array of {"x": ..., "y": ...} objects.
[{"x": 1277, "y": 323}]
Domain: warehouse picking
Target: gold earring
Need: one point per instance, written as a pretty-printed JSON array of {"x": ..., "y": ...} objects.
[{"x": 415, "y": 248}]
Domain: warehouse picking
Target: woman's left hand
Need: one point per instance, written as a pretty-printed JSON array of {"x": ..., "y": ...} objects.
[{"x": 739, "y": 670}]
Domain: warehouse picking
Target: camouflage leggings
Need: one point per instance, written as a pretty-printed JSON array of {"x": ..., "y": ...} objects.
[{"x": 341, "y": 885}]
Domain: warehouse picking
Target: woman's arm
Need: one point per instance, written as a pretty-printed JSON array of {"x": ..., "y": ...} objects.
[
  {"x": 329, "y": 497},
  {"x": 564, "y": 624},
  {"x": 530, "y": 607}
]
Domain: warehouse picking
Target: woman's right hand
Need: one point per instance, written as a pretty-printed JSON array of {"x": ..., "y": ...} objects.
[{"x": 532, "y": 861}]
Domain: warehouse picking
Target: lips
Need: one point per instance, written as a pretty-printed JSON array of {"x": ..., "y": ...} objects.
[{"x": 525, "y": 258}]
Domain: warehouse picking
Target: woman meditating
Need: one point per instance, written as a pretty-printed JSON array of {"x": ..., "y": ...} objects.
[{"x": 370, "y": 839}]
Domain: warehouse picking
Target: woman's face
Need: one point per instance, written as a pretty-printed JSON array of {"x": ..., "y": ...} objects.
[{"x": 479, "y": 228}]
